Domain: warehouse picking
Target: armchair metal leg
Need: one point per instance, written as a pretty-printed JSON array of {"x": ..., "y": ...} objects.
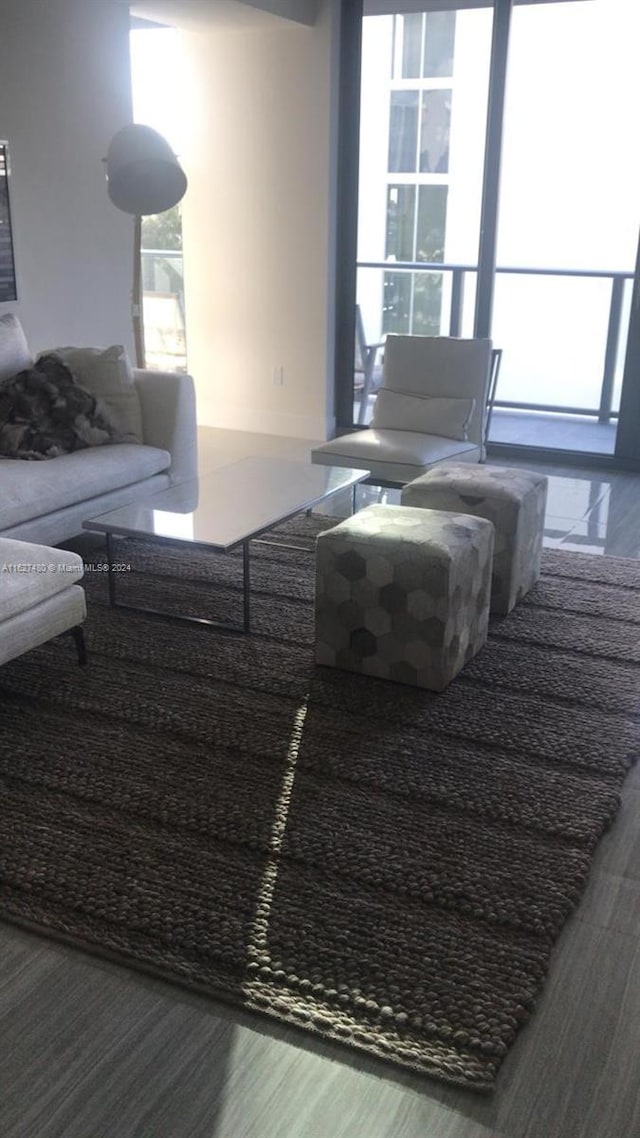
[
  {"x": 367, "y": 389},
  {"x": 81, "y": 648},
  {"x": 496, "y": 359}
]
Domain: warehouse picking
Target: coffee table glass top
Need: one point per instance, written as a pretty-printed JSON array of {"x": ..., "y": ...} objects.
[{"x": 231, "y": 504}]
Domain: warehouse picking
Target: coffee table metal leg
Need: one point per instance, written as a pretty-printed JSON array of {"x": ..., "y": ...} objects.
[{"x": 245, "y": 627}]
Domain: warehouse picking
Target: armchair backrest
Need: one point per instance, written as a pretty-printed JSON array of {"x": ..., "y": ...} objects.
[{"x": 441, "y": 366}]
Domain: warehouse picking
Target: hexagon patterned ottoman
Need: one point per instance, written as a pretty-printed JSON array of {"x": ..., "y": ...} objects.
[
  {"x": 514, "y": 500},
  {"x": 403, "y": 593}
]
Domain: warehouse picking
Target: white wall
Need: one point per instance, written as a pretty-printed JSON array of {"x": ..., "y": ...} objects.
[
  {"x": 64, "y": 91},
  {"x": 258, "y": 219}
]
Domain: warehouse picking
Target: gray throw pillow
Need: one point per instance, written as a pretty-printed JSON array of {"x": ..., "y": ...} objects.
[{"x": 430, "y": 415}]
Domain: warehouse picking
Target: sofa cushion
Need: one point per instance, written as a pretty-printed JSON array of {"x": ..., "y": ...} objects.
[
  {"x": 45, "y": 413},
  {"x": 31, "y": 573},
  {"x": 31, "y": 489},
  {"x": 107, "y": 374},
  {"x": 14, "y": 350}
]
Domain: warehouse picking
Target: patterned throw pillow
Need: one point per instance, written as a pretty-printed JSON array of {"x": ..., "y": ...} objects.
[
  {"x": 45, "y": 413},
  {"x": 107, "y": 374}
]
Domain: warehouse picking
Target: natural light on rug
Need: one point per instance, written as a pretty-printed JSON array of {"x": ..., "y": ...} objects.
[{"x": 258, "y": 945}]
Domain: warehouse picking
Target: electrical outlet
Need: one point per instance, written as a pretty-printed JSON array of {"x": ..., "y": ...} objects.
[{"x": 278, "y": 376}]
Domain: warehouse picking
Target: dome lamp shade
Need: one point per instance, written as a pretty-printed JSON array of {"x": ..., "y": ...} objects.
[{"x": 143, "y": 174}]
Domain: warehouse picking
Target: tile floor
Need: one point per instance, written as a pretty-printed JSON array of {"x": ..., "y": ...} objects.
[{"x": 593, "y": 511}]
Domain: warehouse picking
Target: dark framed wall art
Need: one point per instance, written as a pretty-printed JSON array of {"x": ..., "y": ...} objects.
[{"x": 8, "y": 290}]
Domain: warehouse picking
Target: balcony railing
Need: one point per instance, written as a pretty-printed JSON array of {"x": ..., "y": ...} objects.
[
  {"x": 454, "y": 319},
  {"x": 164, "y": 314}
]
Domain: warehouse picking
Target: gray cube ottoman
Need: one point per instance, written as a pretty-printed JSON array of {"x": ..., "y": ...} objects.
[
  {"x": 514, "y": 500},
  {"x": 403, "y": 594}
]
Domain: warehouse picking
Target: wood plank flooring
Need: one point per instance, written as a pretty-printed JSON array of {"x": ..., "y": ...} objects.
[{"x": 92, "y": 1050}]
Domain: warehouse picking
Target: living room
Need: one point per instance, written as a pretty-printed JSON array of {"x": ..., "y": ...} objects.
[{"x": 97, "y": 1047}]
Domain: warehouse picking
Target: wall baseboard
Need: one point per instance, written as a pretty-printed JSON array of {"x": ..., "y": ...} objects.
[{"x": 258, "y": 421}]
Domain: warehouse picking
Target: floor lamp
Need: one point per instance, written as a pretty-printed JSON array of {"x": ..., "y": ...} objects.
[{"x": 143, "y": 177}]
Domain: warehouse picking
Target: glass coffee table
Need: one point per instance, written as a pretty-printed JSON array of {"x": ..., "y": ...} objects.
[{"x": 224, "y": 511}]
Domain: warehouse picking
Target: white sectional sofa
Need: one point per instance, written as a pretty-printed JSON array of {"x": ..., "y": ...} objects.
[
  {"x": 47, "y": 501},
  {"x": 40, "y": 597}
]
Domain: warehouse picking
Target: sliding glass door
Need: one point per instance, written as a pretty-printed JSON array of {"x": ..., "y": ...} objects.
[
  {"x": 568, "y": 223},
  {"x": 559, "y": 301}
]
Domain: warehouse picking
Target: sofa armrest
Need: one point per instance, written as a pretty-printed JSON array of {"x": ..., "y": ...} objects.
[{"x": 168, "y": 402}]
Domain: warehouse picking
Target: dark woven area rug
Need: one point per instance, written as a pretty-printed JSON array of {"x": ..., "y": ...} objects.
[{"x": 383, "y": 866}]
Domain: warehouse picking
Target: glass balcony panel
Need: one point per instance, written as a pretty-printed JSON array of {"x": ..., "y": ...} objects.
[
  {"x": 401, "y": 223},
  {"x": 426, "y": 304},
  {"x": 396, "y": 307},
  {"x": 369, "y": 297},
  {"x": 552, "y": 331},
  {"x": 163, "y": 310},
  {"x": 432, "y": 222},
  {"x": 470, "y": 288}
]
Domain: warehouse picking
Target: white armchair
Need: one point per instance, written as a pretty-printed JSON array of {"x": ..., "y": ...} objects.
[{"x": 431, "y": 407}]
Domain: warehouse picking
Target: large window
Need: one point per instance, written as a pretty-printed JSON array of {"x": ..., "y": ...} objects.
[
  {"x": 419, "y": 116},
  {"x": 422, "y": 130},
  {"x": 423, "y": 45},
  {"x": 550, "y": 277}
]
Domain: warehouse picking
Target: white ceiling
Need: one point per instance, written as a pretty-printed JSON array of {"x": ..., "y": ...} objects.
[{"x": 202, "y": 15}]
